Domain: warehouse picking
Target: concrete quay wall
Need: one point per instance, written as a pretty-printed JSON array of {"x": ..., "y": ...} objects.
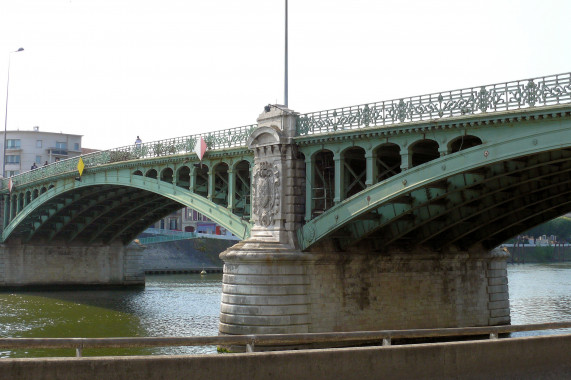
[{"x": 543, "y": 357}]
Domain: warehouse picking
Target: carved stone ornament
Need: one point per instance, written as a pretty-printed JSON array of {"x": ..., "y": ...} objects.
[{"x": 266, "y": 192}]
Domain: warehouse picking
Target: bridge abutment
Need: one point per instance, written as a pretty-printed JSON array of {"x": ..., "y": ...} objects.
[{"x": 58, "y": 264}]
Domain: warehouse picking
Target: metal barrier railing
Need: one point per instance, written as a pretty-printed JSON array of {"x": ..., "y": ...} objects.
[{"x": 384, "y": 337}]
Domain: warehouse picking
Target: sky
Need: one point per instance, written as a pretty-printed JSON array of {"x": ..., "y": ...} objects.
[{"x": 112, "y": 70}]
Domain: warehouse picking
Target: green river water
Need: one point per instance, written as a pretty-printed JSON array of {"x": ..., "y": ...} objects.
[{"x": 189, "y": 305}]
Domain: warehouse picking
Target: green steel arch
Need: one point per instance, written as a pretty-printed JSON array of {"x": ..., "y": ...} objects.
[
  {"x": 482, "y": 195},
  {"x": 103, "y": 207}
]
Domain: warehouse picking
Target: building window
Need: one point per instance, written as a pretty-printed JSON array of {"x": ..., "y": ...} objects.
[
  {"x": 13, "y": 159},
  {"x": 173, "y": 224},
  {"x": 38, "y": 143},
  {"x": 162, "y": 224},
  {"x": 76, "y": 146},
  {"x": 11, "y": 173},
  {"x": 13, "y": 143},
  {"x": 39, "y": 160},
  {"x": 61, "y": 145}
]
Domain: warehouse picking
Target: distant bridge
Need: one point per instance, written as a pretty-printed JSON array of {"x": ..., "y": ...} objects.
[{"x": 157, "y": 236}]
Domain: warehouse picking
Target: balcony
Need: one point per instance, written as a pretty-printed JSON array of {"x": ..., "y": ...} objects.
[{"x": 58, "y": 151}]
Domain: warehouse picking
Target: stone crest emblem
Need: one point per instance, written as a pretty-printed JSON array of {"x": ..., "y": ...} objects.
[{"x": 265, "y": 192}]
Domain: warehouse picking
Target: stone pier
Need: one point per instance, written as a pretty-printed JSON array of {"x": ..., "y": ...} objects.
[
  {"x": 270, "y": 286},
  {"x": 59, "y": 264}
]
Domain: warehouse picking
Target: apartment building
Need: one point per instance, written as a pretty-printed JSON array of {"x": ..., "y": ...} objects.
[
  {"x": 24, "y": 148},
  {"x": 189, "y": 220}
]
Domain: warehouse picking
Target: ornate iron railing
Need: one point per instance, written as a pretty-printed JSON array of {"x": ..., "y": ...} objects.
[
  {"x": 226, "y": 138},
  {"x": 550, "y": 90}
]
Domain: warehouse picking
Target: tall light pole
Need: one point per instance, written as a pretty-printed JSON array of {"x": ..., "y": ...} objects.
[
  {"x": 6, "y": 113},
  {"x": 285, "y": 78}
]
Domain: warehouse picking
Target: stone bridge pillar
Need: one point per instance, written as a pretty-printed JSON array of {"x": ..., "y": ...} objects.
[{"x": 265, "y": 280}]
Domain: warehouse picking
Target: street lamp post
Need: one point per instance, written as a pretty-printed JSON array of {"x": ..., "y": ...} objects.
[
  {"x": 6, "y": 113},
  {"x": 285, "y": 71}
]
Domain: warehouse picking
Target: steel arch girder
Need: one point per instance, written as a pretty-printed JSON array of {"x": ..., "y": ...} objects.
[
  {"x": 102, "y": 229},
  {"x": 219, "y": 214},
  {"x": 482, "y": 212},
  {"x": 515, "y": 217},
  {"x": 493, "y": 197},
  {"x": 75, "y": 213},
  {"x": 437, "y": 170},
  {"x": 48, "y": 201},
  {"x": 132, "y": 222},
  {"x": 117, "y": 203}
]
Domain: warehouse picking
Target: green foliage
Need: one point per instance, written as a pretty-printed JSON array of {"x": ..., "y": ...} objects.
[
  {"x": 222, "y": 350},
  {"x": 561, "y": 227}
]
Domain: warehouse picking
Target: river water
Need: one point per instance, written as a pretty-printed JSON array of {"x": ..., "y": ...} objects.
[{"x": 189, "y": 305}]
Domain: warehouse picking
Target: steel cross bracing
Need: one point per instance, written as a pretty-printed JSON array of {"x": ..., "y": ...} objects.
[{"x": 380, "y": 182}]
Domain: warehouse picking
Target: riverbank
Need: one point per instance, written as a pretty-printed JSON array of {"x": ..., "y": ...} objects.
[{"x": 538, "y": 254}]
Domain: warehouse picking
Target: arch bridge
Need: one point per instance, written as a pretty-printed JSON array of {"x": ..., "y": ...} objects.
[{"x": 439, "y": 179}]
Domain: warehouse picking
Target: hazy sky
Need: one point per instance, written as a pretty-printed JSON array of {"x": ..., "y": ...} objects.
[{"x": 114, "y": 69}]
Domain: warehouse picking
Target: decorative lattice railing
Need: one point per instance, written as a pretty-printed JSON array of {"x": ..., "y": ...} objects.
[
  {"x": 227, "y": 138},
  {"x": 543, "y": 91}
]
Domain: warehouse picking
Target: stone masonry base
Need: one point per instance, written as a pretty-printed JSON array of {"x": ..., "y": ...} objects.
[
  {"x": 268, "y": 288},
  {"x": 58, "y": 264}
]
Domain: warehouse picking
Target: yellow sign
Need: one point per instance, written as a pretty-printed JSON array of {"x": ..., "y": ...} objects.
[{"x": 80, "y": 166}]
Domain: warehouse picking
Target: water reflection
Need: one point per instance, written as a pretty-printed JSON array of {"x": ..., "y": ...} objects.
[
  {"x": 189, "y": 305},
  {"x": 169, "y": 305},
  {"x": 540, "y": 293}
]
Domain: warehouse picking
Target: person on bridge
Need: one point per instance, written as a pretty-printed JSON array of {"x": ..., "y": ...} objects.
[
  {"x": 34, "y": 166},
  {"x": 138, "y": 142}
]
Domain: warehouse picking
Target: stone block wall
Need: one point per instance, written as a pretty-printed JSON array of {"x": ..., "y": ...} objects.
[
  {"x": 264, "y": 290},
  {"x": 133, "y": 271},
  {"x": 293, "y": 195},
  {"x": 498, "y": 294},
  {"x": 55, "y": 263},
  {"x": 271, "y": 290},
  {"x": 2, "y": 266},
  {"x": 399, "y": 291}
]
